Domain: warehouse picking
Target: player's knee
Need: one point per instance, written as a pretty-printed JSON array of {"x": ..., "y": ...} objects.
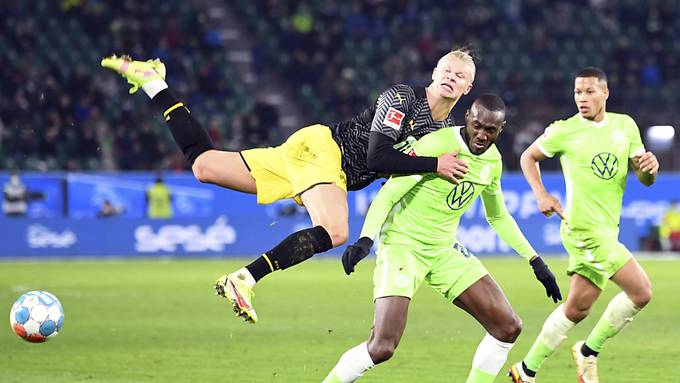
[
  {"x": 576, "y": 313},
  {"x": 201, "y": 171},
  {"x": 509, "y": 330},
  {"x": 643, "y": 297},
  {"x": 339, "y": 232},
  {"x": 381, "y": 350}
]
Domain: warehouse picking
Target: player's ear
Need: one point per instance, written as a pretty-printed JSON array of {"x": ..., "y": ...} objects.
[
  {"x": 468, "y": 88},
  {"x": 606, "y": 92},
  {"x": 434, "y": 70}
]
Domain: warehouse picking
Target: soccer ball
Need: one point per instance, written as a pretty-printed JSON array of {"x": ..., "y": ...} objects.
[{"x": 37, "y": 316}]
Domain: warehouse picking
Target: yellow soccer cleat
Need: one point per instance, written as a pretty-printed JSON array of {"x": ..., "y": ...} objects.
[
  {"x": 137, "y": 73},
  {"x": 518, "y": 375},
  {"x": 233, "y": 288},
  {"x": 586, "y": 366}
]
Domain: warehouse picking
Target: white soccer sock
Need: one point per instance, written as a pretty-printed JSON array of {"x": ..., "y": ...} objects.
[
  {"x": 616, "y": 317},
  {"x": 553, "y": 333},
  {"x": 245, "y": 275},
  {"x": 154, "y": 87},
  {"x": 491, "y": 355},
  {"x": 353, "y": 363},
  {"x": 555, "y": 328}
]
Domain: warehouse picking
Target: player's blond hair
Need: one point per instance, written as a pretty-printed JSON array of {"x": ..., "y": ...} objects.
[{"x": 463, "y": 55}]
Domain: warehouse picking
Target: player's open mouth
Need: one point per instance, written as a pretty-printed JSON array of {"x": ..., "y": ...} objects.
[
  {"x": 478, "y": 145},
  {"x": 583, "y": 109},
  {"x": 447, "y": 86}
]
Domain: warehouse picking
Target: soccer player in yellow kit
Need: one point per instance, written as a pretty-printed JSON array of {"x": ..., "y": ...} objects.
[
  {"x": 596, "y": 149},
  {"x": 317, "y": 164}
]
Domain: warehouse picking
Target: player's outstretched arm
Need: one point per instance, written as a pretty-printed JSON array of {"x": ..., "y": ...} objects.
[
  {"x": 388, "y": 121},
  {"x": 646, "y": 167},
  {"x": 393, "y": 190},
  {"x": 507, "y": 229},
  {"x": 529, "y": 160}
]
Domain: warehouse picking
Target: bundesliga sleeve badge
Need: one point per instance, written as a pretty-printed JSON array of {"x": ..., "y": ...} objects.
[{"x": 393, "y": 118}]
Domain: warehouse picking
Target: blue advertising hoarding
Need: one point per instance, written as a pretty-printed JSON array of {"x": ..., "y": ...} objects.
[{"x": 210, "y": 220}]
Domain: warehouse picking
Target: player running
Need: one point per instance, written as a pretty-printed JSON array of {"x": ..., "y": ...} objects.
[
  {"x": 317, "y": 164},
  {"x": 596, "y": 148},
  {"x": 417, "y": 217}
]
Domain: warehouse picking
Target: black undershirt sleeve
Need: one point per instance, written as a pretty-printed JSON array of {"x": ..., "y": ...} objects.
[{"x": 382, "y": 157}]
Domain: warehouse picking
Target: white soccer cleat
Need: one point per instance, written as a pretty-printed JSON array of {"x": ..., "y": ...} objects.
[
  {"x": 518, "y": 375},
  {"x": 586, "y": 366}
]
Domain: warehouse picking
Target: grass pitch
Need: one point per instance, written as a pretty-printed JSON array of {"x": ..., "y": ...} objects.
[{"x": 159, "y": 321}]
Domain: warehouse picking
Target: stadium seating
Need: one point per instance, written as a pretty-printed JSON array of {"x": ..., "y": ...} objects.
[{"x": 337, "y": 57}]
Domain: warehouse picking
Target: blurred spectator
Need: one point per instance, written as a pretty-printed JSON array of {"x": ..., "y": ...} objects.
[
  {"x": 669, "y": 229},
  {"x": 15, "y": 197},
  {"x": 159, "y": 200},
  {"x": 108, "y": 210},
  {"x": 63, "y": 113}
]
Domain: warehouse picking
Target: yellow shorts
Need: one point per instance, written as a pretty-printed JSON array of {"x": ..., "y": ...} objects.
[{"x": 309, "y": 157}]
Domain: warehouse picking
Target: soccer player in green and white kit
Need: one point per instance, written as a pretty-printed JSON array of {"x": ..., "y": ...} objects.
[
  {"x": 596, "y": 148},
  {"x": 417, "y": 217}
]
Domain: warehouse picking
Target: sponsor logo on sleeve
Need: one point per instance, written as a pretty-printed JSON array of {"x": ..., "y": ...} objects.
[{"x": 393, "y": 118}]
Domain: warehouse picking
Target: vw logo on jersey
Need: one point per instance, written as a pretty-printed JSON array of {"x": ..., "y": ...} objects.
[
  {"x": 460, "y": 195},
  {"x": 605, "y": 165}
]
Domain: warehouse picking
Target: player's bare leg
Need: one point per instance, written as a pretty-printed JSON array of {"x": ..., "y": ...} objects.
[
  {"x": 637, "y": 292},
  {"x": 226, "y": 169},
  {"x": 484, "y": 300},
  {"x": 389, "y": 323},
  {"x": 582, "y": 294},
  {"x": 327, "y": 207},
  {"x": 633, "y": 280}
]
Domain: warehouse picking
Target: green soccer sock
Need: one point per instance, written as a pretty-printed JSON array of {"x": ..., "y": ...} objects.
[
  {"x": 351, "y": 366},
  {"x": 553, "y": 333},
  {"x": 489, "y": 358},
  {"x": 479, "y": 376},
  {"x": 616, "y": 317},
  {"x": 332, "y": 378}
]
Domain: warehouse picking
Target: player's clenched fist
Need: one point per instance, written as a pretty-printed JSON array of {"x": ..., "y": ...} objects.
[
  {"x": 355, "y": 253},
  {"x": 548, "y": 205}
]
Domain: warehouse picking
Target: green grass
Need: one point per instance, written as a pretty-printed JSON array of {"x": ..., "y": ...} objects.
[{"x": 158, "y": 321}]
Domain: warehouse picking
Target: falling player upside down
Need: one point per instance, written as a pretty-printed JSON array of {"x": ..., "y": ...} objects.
[{"x": 317, "y": 164}]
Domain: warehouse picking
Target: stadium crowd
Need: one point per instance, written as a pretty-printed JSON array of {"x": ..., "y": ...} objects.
[{"x": 60, "y": 111}]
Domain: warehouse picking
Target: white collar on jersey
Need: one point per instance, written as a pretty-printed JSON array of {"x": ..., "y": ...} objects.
[
  {"x": 595, "y": 123},
  {"x": 459, "y": 137}
]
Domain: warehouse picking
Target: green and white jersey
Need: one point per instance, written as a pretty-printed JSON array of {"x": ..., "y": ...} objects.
[
  {"x": 424, "y": 210},
  {"x": 594, "y": 158}
]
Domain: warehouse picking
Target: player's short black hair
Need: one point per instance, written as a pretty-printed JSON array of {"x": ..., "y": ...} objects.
[
  {"x": 490, "y": 102},
  {"x": 592, "y": 71}
]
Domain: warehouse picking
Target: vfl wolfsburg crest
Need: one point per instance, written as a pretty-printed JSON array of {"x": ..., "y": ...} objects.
[
  {"x": 605, "y": 165},
  {"x": 460, "y": 195}
]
